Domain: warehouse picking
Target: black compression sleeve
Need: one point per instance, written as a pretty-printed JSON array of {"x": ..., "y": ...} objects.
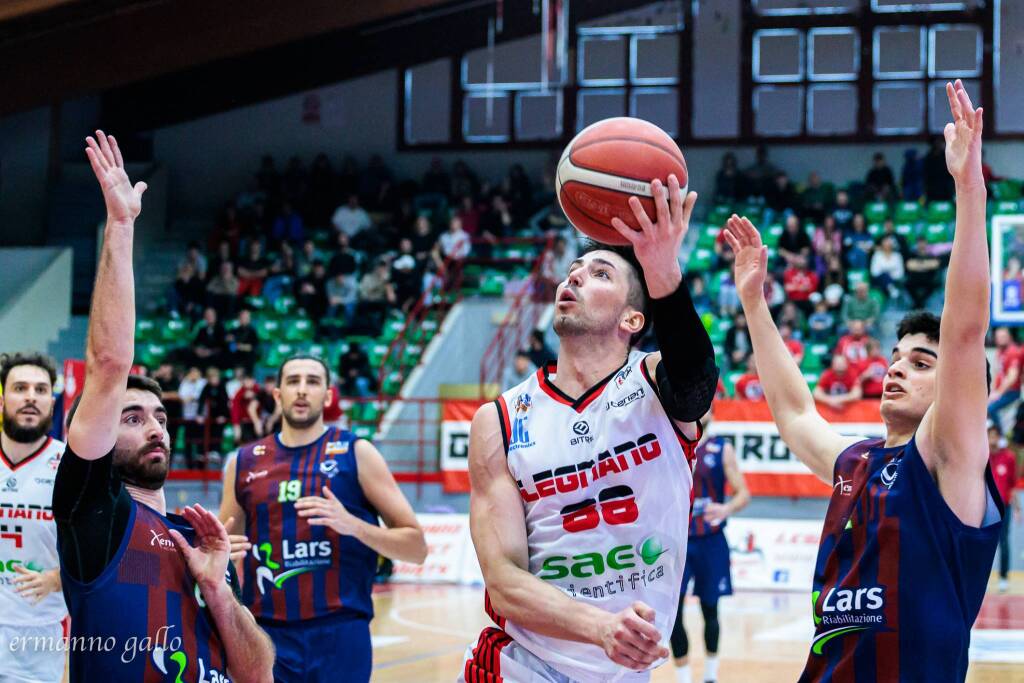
[
  {"x": 687, "y": 375},
  {"x": 91, "y": 508}
]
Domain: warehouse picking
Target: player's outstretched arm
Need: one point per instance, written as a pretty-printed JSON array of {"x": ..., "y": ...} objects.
[
  {"x": 498, "y": 526},
  {"x": 952, "y": 438},
  {"x": 401, "y": 537},
  {"x": 110, "y": 345},
  {"x": 715, "y": 513},
  {"x": 808, "y": 434}
]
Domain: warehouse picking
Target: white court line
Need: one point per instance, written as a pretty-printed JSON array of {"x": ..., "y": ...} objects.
[
  {"x": 386, "y": 641},
  {"x": 396, "y": 614}
]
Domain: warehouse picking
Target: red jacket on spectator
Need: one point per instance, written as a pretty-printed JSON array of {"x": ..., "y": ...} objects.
[
  {"x": 799, "y": 283},
  {"x": 834, "y": 384},
  {"x": 240, "y": 403},
  {"x": 333, "y": 412},
  {"x": 1004, "y": 472},
  {"x": 1012, "y": 355},
  {"x": 749, "y": 387},
  {"x": 796, "y": 349},
  {"x": 854, "y": 348},
  {"x": 872, "y": 375}
]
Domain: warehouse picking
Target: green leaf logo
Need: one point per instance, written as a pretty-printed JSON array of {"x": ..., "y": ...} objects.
[
  {"x": 650, "y": 550},
  {"x": 814, "y": 607}
]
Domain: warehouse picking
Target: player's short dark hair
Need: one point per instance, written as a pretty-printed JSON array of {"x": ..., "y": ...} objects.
[
  {"x": 9, "y": 361},
  {"x": 140, "y": 382},
  {"x": 928, "y": 324},
  {"x": 637, "y": 297},
  {"x": 303, "y": 356}
]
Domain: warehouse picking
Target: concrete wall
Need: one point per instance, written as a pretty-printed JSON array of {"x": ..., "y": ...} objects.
[
  {"x": 37, "y": 291},
  {"x": 24, "y": 163}
]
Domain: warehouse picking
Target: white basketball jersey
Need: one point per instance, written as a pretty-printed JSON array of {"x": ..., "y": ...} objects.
[
  {"x": 606, "y": 482},
  {"x": 28, "y": 534}
]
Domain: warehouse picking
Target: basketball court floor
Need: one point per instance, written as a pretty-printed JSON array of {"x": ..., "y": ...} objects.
[{"x": 421, "y": 632}]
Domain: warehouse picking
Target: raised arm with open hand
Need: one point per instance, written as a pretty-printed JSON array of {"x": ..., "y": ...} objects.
[{"x": 123, "y": 200}]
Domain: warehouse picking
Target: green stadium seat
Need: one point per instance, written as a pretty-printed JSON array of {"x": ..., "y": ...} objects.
[
  {"x": 908, "y": 212},
  {"x": 318, "y": 350},
  {"x": 1007, "y": 189},
  {"x": 940, "y": 212},
  {"x": 707, "y": 236},
  {"x": 875, "y": 229},
  {"x": 277, "y": 353},
  {"x": 284, "y": 305},
  {"x": 719, "y": 214},
  {"x": 145, "y": 330},
  {"x": 150, "y": 354},
  {"x": 876, "y": 212},
  {"x": 938, "y": 233},
  {"x": 321, "y": 238},
  {"x": 772, "y": 234},
  {"x": 175, "y": 331},
  {"x": 268, "y": 329},
  {"x": 392, "y": 384},
  {"x": 855, "y": 277},
  {"x": 812, "y": 379},
  {"x": 1006, "y": 206},
  {"x": 730, "y": 381},
  {"x": 907, "y": 230},
  {"x": 751, "y": 210},
  {"x": 255, "y": 303},
  {"x": 700, "y": 261},
  {"x": 299, "y": 330}
]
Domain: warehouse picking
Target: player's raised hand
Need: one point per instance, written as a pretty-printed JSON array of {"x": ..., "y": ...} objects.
[
  {"x": 657, "y": 244},
  {"x": 240, "y": 544},
  {"x": 208, "y": 559},
  {"x": 328, "y": 511},
  {"x": 963, "y": 137},
  {"x": 123, "y": 200},
  {"x": 751, "y": 267},
  {"x": 630, "y": 639}
]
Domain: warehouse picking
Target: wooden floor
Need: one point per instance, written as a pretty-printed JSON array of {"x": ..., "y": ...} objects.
[{"x": 421, "y": 632}]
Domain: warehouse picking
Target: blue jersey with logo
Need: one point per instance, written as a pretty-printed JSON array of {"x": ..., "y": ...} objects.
[
  {"x": 899, "y": 578},
  {"x": 144, "y": 618},
  {"x": 296, "y": 571},
  {"x": 708, "y": 485}
]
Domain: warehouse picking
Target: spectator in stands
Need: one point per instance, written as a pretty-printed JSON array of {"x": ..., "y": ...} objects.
[
  {"x": 887, "y": 268},
  {"x": 699, "y": 294},
  {"x": 223, "y": 254},
  {"x": 307, "y": 256},
  {"x": 748, "y": 385},
  {"x": 519, "y": 371},
  {"x": 496, "y": 222},
  {"x": 270, "y": 410},
  {"x": 815, "y": 199},
  {"x": 938, "y": 184},
  {"x": 423, "y": 240},
  {"x": 827, "y": 242},
  {"x": 166, "y": 375},
  {"x": 899, "y": 241},
  {"x": 222, "y": 291},
  {"x": 842, "y": 213},
  {"x": 194, "y": 257},
  {"x": 354, "y": 374},
  {"x": 556, "y": 263},
  {"x": 872, "y": 370},
  {"x": 469, "y": 213},
  {"x": 214, "y": 411},
  {"x": 737, "y": 342},
  {"x": 342, "y": 297},
  {"x": 833, "y": 282},
  {"x": 911, "y": 177},
  {"x": 282, "y": 276},
  {"x": 321, "y": 191},
  {"x": 759, "y": 175},
  {"x": 728, "y": 298},
  {"x": 351, "y": 218},
  {"x": 189, "y": 390},
  {"x": 796, "y": 349},
  {"x": 861, "y": 307},
  {"x": 436, "y": 180},
  {"x": 780, "y": 197},
  {"x": 245, "y": 412},
  {"x": 433, "y": 284},
  {"x": 311, "y": 292},
  {"x": 540, "y": 353},
  {"x": 464, "y": 181},
  {"x": 794, "y": 245},
  {"x": 252, "y": 270},
  {"x": 288, "y": 226},
  {"x": 344, "y": 260},
  {"x": 729, "y": 182},
  {"x": 208, "y": 342},
  {"x": 453, "y": 246},
  {"x": 922, "y": 273},
  {"x": 821, "y": 324},
  {"x": 854, "y": 344},
  {"x": 406, "y": 277},
  {"x": 724, "y": 255},
  {"x": 791, "y": 315},
  {"x": 858, "y": 244},
  {"x": 1003, "y": 463},
  {"x": 235, "y": 383},
  {"x": 229, "y": 229},
  {"x": 519, "y": 191},
  {"x": 1009, "y": 366},
  {"x": 839, "y": 385},
  {"x": 880, "y": 184},
  {"x": 187, "y": 295},
  {"x": 243, "y": 342},
  {"x": 376, "y": 293},
  {"x": 800, "y": 282}
]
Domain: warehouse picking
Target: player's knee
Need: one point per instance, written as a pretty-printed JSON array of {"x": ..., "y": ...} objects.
[
  {"x": 711, "y": 626},
  {"x": 680, "y": 643}
]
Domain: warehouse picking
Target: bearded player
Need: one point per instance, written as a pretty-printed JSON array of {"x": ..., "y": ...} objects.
[
  {"x": 309, "y": 499},
  {"x": 31, "y": 603},
  {"x": 910, "y": 535},
  {"x": 131, "y": 575},
  {"x": 581, "y": 475}
]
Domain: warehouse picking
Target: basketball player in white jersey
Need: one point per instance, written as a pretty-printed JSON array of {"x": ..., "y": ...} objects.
[
  {"x": 31, "y": 603},
  {"x": 581, "y": 475}
]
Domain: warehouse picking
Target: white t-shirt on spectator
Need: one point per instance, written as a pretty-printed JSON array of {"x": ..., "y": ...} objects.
[
  {"x": 887, "y": 263},
  {"x": 455, "y": 245},
  {"x": 350, "y": 221},
  {"x": 189, "y": 391}
]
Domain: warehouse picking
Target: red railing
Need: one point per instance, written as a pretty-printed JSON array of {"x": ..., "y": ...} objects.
[{"x": 520, "y": 320}]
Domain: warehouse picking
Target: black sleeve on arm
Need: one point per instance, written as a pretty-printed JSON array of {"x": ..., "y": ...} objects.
[
  {"x": 687, "y": 376},
  {"x": 91, "y": 509}
]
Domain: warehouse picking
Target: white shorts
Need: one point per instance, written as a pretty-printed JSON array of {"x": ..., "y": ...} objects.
[
  {"x": 32, "y": 654},
  {"x": 496, "y": 658}
]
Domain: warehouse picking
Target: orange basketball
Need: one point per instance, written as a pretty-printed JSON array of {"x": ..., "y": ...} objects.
[{"x": 606, "y": 164}]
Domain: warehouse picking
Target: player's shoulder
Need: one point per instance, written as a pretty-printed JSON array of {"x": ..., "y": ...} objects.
[{"x": 266, "y": 445}]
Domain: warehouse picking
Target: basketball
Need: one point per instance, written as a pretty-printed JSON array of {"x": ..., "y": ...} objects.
[{"x": 607, "y": 163}]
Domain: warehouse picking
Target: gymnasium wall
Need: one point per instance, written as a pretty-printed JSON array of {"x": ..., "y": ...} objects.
[{"x": 24, "y": 158}]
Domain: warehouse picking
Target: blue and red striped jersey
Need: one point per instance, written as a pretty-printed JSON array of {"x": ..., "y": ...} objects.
[
  {"x": 899, "y": 578},
  {"x": 296, "y": 571},
  {"x": 708, "y": 484}
]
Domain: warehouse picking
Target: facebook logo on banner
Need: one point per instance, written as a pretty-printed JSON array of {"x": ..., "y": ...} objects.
[{"x": 780, "y": 576}]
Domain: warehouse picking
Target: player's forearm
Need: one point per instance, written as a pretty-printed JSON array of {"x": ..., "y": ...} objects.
[
  {"x": 739, "y": 500},
  {"x": 537, "y": 606},
  {"x": 967, "y": 280},
  {"x": 250, "y": 651},
  {"x": 110, "y": 345},
  {"x": 400, "y": 543}
]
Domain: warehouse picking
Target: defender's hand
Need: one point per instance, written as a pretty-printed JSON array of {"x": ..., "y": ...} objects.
[
  {"x": 657, "y": 245},
  {"x": 963, "y": 137},
  {"x": 751, "y": 267},
  {"x": 124, "y": 201},
  {"x": 208, "y": 560}
]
